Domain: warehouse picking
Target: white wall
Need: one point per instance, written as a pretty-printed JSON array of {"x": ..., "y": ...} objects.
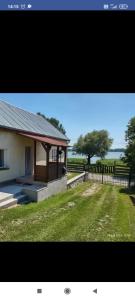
[
  {"x": 62, "y": 157},
  {"x": 14, "y": 146},
  {"x": 15, "y": 154},
  {"x": 40, "y": 155}
]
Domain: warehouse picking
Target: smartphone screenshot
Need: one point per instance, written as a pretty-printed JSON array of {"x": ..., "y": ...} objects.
[{"x": 67, "y": 150}]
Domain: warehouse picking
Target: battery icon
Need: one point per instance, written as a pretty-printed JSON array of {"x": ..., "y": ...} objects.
[{"x": 123, "y": 6}]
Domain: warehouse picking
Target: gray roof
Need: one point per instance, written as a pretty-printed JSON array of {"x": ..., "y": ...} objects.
[{"x": 15, "y": 118}]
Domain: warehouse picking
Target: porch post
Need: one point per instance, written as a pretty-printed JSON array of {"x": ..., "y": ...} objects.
[
  {"x": 47, "y": 162},
  {"x": 34, "y": 160},
  {"x": 65, "y": 158},
  {"x": 47, "y": 148},
  {"x": 57, "y": 161}
]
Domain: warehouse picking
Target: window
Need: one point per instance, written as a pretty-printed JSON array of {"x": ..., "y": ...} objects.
[
  {"x": 54, "y": 155},
  {"x": 1, "y": 158},
  {"x": 60, "y": 155}
]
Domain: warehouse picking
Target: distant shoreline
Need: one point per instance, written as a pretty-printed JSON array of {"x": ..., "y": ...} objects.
[
  {"x": 111, "y": 150},
  {"x": 117, "y": 150}
]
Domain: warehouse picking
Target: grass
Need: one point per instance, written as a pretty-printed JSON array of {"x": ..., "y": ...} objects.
[
  {"x": 107, "y": 215},
  {"x": 71, "y": 175},
  {"x": 110, "y": 162}
]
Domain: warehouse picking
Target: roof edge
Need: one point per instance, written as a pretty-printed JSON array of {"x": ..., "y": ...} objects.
[
  {"x": 35, "y": 114},
  {"x": 44, "y": 139},
  {"x": 32, "y": 133}
]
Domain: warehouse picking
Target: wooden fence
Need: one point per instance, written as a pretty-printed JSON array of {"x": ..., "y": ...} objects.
[
  {"x": 118, "y": 170},
  {"x": 115, "y": 174},
  {"x": 75, "y": 167},
  {"x": 93, "y": 168}
]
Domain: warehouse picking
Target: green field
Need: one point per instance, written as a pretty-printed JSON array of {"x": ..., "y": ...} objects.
[
  {"x": 111, "y": 162},
  {"x": 108, "y": 162},
  {"x": 89, "y": 212}
]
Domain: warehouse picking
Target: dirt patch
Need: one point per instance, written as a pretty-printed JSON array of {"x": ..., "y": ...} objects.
[
  {"x": 17, "y": 222},
  {"x": 71, "y": 204},
  {"x": 92, "y": 190},
  {"x": 13, "y": 206}
]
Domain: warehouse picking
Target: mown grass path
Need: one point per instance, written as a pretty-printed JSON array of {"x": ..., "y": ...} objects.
[{"x": 106, "y": 215}]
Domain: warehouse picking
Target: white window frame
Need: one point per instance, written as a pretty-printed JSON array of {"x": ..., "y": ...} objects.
[
  {"x": 54, "y": 155},
  {"x": 3, "y": 154},
  {"x": 4, "y": 159}
]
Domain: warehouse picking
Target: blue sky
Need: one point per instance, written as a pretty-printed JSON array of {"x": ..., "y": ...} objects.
[{"x": 82, "y": 113}]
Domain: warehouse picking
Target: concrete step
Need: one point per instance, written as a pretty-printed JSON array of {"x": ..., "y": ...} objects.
[
  {"x": 22, "y": 199},
  {"x": 12, "y": 201},
  {"x": 8, "y": 203},
  {"x": 7, "y": 196}
]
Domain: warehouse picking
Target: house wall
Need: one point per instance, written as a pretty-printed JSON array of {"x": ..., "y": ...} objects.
[
  {"x": 15, "y": 154},
  {"x": 40, "y": 155}
]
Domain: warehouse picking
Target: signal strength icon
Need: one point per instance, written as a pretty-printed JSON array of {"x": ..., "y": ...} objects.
[{"x": 113, "y": 6}]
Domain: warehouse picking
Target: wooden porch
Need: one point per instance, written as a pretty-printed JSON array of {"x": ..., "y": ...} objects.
[
  {"x": 49, "y": 173},
  {"x": 53, "y": 169}
]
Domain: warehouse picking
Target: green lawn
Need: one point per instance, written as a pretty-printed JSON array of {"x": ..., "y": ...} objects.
[
  {"x": 71, "y": 175},
  {"x": 107, "y": 215},
  {"x": 111, "y": 161}
]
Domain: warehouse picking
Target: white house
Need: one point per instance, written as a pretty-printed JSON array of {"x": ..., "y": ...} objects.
[{"x": 31, "y": 149}]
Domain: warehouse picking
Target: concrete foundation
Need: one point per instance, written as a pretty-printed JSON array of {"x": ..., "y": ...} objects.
[
  {"x": 41, "y": 192},
  {"x": 76, "y": 180}
]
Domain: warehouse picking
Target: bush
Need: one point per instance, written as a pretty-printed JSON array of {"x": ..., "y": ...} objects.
[
  {"x": 110, "y": 162},
  {"x": 77, "y": 160}
]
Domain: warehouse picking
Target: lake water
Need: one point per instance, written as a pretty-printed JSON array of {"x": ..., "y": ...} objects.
[{"x": 113, "y": 155}]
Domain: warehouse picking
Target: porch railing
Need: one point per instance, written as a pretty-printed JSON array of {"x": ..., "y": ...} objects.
[{"x": 54, "y": 172}]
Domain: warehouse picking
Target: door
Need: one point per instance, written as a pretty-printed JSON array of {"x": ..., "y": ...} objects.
[{"x": 28, "y": 164}]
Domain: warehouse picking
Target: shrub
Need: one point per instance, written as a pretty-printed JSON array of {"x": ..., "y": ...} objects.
[{"x": 77, "y": 160}]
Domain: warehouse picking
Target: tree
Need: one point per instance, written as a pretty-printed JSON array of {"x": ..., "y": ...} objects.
[
  {"x": 39, "y": 114},
  {"x": 130, "y": 139},
  {"x": 56, "y": 123},
  {"x": 93, "y": 143}
]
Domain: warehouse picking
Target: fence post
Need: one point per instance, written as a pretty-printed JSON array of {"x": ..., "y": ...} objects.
[
  {"x": 129, "y": 179},
  {"x": 114, "y": 167},
  {"x": 102, "y": 174}
]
